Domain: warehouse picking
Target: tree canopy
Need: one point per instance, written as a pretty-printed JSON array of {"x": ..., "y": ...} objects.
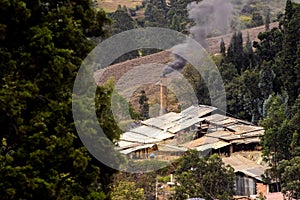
[
  {"x": 42, "y": 44},
  {"x": 206, "y": 178}
]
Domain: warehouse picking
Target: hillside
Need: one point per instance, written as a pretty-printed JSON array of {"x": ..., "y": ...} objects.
[{"x": 116, "y": 71}]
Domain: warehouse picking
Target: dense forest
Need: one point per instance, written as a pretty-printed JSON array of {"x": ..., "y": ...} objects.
[{"x": 42, "y": 45}]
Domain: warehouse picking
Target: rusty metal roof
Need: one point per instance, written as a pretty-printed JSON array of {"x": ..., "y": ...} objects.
[
  {"x": 240, "y": 128},
  {"x": 246, "y": 140},
  {"x": 171, "y": 148},
  {"x": 198, "y": 142},
  {"x": 245, "y": 166}
]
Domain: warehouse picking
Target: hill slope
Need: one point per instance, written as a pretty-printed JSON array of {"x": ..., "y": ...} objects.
[{"x": 116, "y": 71}]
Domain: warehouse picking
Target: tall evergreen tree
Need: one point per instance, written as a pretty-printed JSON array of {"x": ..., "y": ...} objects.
[
  {"x": 267, "y": 21},
  {"x": 235, "y": 52},
  {"x": 289, "y": 60},
  {"x": 222, "y": 48},
  {"x": 249, "y": 55},
  {"x": 41, "y": 48},
  {"x": 121, "y": 21},
  {"x": 144, "y": 105}
]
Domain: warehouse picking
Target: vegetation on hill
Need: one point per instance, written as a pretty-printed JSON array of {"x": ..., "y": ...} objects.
[
  {"x": 173, "y": 14},
  {"x": 263, "y": 87},
  {"x": 207, "y": 178},
  {"x": 42, "y": 45}
]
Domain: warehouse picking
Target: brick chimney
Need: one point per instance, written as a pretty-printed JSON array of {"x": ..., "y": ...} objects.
[{"x": 163, "y": 96}]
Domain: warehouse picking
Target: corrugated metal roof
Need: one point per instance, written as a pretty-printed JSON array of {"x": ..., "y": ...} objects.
[
  {"x": 134, "y": 137},
  {"x": 239, "y": 128},
  {"x": 216, "y": 145},
  {"x": 255, "y": 172},
  {"x": 246, "y": 166},
  {"x": 175, "y": 122},
  {"x": 170, "y": 117},
  {"x": 198, "y": 111},
  {"x": 220, "y": 144},
  {"x": 185, "y": 124},
  {"x": 253, "y": 134},
  {"x": 226, "y": 122},
  {"x": 163, "y": 122},
  {"x": 146, "y": 146},
  {"x": 200, "y": 141},
  {"x": 221, "y": 120},
  {"x": 171, "y": 148},
  {"x": 126, "y": 144},
  {"x": 152, "y": 132},
  {"x": 242, "y": 136},
  {"x": 247, "y": 140},
  {"x": 215, "y": 118},
  {"x": 229, "y": 135},
  {"x": 219, "y": 134},
  {"x": 160, "y": 128}
]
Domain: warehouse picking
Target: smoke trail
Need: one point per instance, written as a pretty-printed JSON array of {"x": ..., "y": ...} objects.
[
  {"x": 177, "y": 64},
  {"x": 211, "y": 18}
]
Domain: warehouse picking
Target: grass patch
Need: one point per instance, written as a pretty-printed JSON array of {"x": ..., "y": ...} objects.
[{"x": 245, "y": 18}]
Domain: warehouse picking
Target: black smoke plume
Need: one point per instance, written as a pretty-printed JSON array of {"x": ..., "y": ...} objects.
[{"x": 211, "y": 18}]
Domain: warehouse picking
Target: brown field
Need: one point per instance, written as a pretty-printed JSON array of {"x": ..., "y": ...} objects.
[
  {"x": 112, "y": 5},
  {"x": 118, "y": 70}
]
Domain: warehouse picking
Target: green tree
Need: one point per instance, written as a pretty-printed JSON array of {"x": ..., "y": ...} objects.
[
  {"x": 198, "y": 84},
  {"x": 269, "y": 46},
  {"x": 288, "y": 63},
  {"x": 281, "y": 140},
  {"x": 207, "y": 178},
  {"x": 155, "y": 16},
  {"x": 257, "y": 19},
  {"x": 42, "y": 46},
  {"x": 249, "y": 54},
  {"x": 121, "y": 21},
  {"x": 291, "y": 177},
  {"x": 251, "y": 95},
  {"x": 267, "y": 20},
  {"x": 127, "y": 190},
  {"x": 266, "y": 78},
  {"x": 144, "y": 105},
  {"x": 144, "y": 181},
  {"x": 235, "y": 51},
  {"x": 222, "y": 48},
  {"x": 277, "y": 139},
  {"x": 175, "y": 23}
]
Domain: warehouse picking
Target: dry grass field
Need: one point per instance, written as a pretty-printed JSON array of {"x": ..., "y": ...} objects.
[
  {"x": 112, "y": 5},
  {"x": 158, "y": 60}
]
